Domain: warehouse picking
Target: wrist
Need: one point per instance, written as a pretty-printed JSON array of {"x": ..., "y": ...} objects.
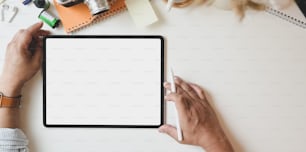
[
  {"x": 9, "y": 116},
  {"x": 219, "y": 146},
  {"x": 218, "y": 142},
  {"x": 10, "y": 87}
]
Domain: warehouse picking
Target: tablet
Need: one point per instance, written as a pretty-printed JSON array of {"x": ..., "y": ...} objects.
[{"x": 103, "y": 81}]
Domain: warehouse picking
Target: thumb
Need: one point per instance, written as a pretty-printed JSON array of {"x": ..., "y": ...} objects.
[{"x": 168, "y": 129}]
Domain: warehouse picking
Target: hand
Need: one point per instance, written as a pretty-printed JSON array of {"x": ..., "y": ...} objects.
[
  {"x": 23, "y": 59},
  {"x": 199, "y": 123}
]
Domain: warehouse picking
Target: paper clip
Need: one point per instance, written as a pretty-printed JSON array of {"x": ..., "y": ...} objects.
[
  {"x": 4, "y": 8},
  {"x": 15, "y": 11}
]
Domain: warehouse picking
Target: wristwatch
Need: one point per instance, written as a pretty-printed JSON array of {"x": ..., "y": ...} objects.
[{"x": 9, "y": 102}]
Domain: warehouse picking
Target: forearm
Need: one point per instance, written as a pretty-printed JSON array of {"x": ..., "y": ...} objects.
[
  {"x": 221, "y": 146},
  {"x": 9, "y": 118}
]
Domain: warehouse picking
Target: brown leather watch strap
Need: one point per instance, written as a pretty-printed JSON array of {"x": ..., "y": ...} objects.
[{"x": 9, "y": 102}]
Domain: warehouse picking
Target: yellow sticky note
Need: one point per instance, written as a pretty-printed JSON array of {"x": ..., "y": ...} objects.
[{"x": 141, "y": 12}]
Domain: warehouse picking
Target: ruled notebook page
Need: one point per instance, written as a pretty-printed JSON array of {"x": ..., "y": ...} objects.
[{"x": 103, "y": 81}]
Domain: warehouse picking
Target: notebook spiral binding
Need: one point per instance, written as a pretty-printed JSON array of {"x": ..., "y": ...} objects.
[
  {"x": 286, "y": 17},
  {"x": 98, "y": 18}
]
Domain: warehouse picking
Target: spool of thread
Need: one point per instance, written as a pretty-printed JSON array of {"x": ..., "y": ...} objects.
[
  {"x": 45, "y": 4},
  {"x": 48, "y": 18}
]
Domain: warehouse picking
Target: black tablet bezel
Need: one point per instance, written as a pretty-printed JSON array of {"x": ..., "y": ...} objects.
[{"x": 103, "y": 37}]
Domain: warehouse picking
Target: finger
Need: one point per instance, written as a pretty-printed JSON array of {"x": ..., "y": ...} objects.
[
  {"x": 26, "y": 39},
  {"x": 42, "y": 33},
  {"x": 180, "y": 104},
  {"x": 169, "y": 130},
  {"x": 186, "y": 87},
  {"x": 186, "y": 99},
  {"x": 167, "y": 85},
  {"x": 180, "y": 90},
  {"x": 37, "y": 41},
  {"x": 174, "y": 97},
  {"x": 34, "y": 28},
  {"x": 198, "y": 90},
  {"x": 37, "y": 56}
]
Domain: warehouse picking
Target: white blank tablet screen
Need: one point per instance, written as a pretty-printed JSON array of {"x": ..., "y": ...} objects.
[{"x": 103, "y": 81}]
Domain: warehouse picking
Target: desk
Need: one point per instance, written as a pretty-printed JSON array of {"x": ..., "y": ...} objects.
[{"x": 254, "y": 72}]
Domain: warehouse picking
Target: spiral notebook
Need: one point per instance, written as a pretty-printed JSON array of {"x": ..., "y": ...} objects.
[
  {"x": 287, "y": 15},
  {"x": 77, "y": 17}
]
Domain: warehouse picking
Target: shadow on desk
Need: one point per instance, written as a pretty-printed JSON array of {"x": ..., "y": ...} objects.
[
  {"x": 28, "y": 105},
  {"x": 236, "y": 144}
]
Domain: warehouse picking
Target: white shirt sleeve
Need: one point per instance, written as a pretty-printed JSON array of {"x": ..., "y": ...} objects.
[{"x": 13, "y": 140}]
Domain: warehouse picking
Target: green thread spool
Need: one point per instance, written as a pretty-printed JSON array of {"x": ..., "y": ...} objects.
[{"x": 48, "y": 18}]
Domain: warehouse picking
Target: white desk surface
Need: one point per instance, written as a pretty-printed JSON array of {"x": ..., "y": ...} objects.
[{"x": 254, "y": 71}]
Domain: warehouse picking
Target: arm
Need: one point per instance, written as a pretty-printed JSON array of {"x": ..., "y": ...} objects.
[
  {"x": 22, "y": 61},
  {"x": 199, "y": 123}
]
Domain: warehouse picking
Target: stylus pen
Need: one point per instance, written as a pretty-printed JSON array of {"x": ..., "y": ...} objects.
[{"x": 178, "y": 126}]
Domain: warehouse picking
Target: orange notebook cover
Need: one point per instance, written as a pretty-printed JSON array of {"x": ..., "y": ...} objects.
[{"x": 76, "y": 17}]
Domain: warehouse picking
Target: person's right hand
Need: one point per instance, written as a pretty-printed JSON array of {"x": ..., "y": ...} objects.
[{"x": 199, "y": 123}]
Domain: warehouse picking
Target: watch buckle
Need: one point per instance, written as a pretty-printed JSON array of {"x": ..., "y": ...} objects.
[{"x": 1, "y": 95}]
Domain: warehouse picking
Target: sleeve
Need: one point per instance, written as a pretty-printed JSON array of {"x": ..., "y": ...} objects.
[{"x": 13, "y": 140}]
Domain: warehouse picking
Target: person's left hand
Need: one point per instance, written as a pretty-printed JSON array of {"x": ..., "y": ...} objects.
[{"x": 23, "y": 59}]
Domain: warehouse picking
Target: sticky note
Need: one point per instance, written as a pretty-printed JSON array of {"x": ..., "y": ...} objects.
[{"x": 141, "y": 12}]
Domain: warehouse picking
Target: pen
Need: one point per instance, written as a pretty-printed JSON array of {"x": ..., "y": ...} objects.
[{"x": 173, "y": 90}]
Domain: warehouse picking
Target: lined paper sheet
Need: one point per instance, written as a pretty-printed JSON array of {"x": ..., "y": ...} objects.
[{"x": 106, "y": 81}]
